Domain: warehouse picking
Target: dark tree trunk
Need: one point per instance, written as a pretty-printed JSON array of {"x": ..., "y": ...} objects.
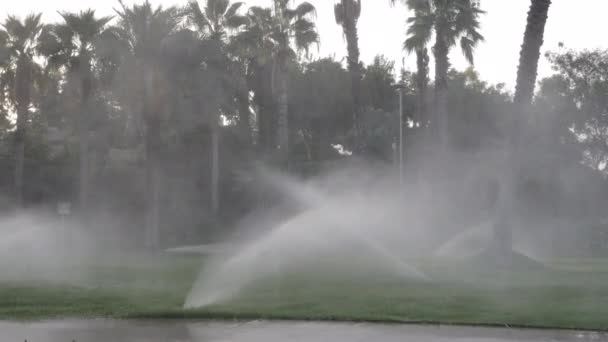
[
  {"x": 530, "y": 52},
  {"x": 152, "y": 109},
  {"x": 23, "y": 80},
  {"x": 442, "y": 64},
  {"x": 215, "y": 167},
  {"x": 153, "y": 180},
  {"x": 83, "y": 134},
  {"x": 422, "y": 81},
  {"x": 282, "y": 89},
  {"x": 20, "y": 155},
  {"x": 244, "y": 123},
  {"x": 261, "y": 84},
  {"x": 526, "y": 79},
  {"x": 352, "y": 43}
]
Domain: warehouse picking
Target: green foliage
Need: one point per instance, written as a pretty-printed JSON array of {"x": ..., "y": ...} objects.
[
  {"x": 217, "y": 66},
  {"x": 18, "y": 70},
  {"x": 478, "y": 111},
  {"x": 454, "y": 22},
  {"x": 378, "y": 85},
  {"x": 347, "y": 11},
  {"x": 575, "y": 102},
  {"x": 320, "y": 104}
]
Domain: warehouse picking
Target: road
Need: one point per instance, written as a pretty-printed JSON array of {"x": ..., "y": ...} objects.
[{"x": 260, "y": 331}]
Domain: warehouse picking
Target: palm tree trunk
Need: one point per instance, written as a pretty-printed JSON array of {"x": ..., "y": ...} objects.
[
  {"x": 422, "y": 60},
  {"x": 23, "y": 80},
  {"x": 283, "y": 113},
  {"x": 20, "y": 155},
  {"x": 151, "y": 114},
  {"x": 280, "y": 77},
  {"x": 153, "y": 179},
  {"x": 83, "y": 135},
  {"x": 83, "y": 194},
  {"x": 215, "y": 168},
  {"x": 441, "y": 119},
  {"x": 423, "y": 136},
  {"x": 264, "y": 92},
  {"x": 244, "y": 115},
  {"x": 526, "y": 79},
  {"x": 530, "y": 52},
  {"x": 352, "y": 43}
]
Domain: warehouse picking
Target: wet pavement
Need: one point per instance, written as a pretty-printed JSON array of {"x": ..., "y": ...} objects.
[{"x": 260, "y": 331}]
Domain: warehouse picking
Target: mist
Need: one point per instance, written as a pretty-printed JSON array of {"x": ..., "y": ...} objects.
[{"x": 198, "y": 160}]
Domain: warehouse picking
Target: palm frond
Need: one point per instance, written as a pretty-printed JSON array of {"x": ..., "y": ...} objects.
[
  {"x": 304, "y": 39},
  {"x": 33, "y": 24},
  {"x": 236, "y": 21},
  {"x": 233, "y": 9},
  {"x": 196, "y": 17},
  {"x": 420, "y": 30},
  {"x": 4, "y": 48},
  {"x": 305, "y": 9},
  {"x": 467, "y": 46},
  {"x": 339, "y": 13}
]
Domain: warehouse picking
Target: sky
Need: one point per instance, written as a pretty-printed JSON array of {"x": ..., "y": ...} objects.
[{"x": 578, "y": 24}]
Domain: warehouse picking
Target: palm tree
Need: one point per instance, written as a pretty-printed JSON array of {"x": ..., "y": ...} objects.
[
  {"x": 418, "y": 38},
  {"x": 524, "y": 92},
  {"x": 276, "y": 36},
  {"x": 214, "y": 23},
  {"x": 144, "y": 29},
  {"x": 452, "y": 22},
  {"x": 530, "y": 51},
  {"x": 347, "y": 14},
  {"x": 77, "y": 44},
  {"x": 19, "y": 42},
  {"x": 254, "y": 45},
  {"x": 291, "y": 24}
]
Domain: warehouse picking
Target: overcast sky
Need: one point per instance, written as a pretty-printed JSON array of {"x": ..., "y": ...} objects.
[{"x": 578, "y": 23}]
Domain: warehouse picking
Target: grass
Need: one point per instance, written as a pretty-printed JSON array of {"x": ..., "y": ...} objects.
[{"x": 570, "y": 294}]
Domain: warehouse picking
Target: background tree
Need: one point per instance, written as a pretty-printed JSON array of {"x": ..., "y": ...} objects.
[
  {"x": 291, "y": 25},
  {"x": 320, "y": 103},
  {"x": 272, "y": 40},
  {"x": 347, "y": 13},
  {"x": 79, "y": 44},
  {"x": 453, "y": 22},
  {"x": 214, "y": 23},
  {"x": 419, "y": 35},
  {"x": 144, "y": 29},
  {"x": 254, "y": 45},
  {"x": 572, "y": 106},
  {"x": 19, "y": 39},
  {"x": 524, "y": 92}
]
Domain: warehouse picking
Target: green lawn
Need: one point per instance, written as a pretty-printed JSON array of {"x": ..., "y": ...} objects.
[{"x": 571, "y": 294}]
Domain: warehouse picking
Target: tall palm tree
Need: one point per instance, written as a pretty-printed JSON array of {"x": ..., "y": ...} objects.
[
  {"x": 275, "y": 36},
  {"x": 293, "y": 26},
  {"x": 144, "y": 29},
  {"x": 253, "y": 45},
  {"x": 215, "y": 22},
  {"x": 19, "y": 41},
  {"x": 217, "y": 19},
  {"x": 77, "y": 44},
  {"x": 419, "y": 29},
  {"x": 453, "y": 22},
  {"x": 530, "y": 51},
  {"x": 524, "y": 92},
  {"x": 347, "y": 13}
]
